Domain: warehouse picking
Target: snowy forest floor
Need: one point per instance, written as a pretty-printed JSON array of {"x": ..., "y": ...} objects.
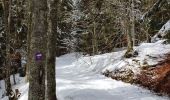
[
  {"x": 80, "y": 77},
  {"x": 74, "y": 83}
]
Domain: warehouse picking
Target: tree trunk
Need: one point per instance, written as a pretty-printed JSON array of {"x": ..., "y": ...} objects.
[
  {"x": 129, "y": 52},
  {"x": 129, "y": 30},
  {"x": 94, "y": 40},
  {"x": 51, "y": 49},
  {"x": 38, "y": 50},
  {"x": 7, "y": 19},
  {"x": 29, "y": 22},
  {"x": 133, "y": 22}
]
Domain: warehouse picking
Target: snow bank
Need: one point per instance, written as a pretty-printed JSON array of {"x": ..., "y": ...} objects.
[
  {"x": 2, "y": 89},
  {"x": 162, "y": 32},
  {"x": 165, "y": 28},
  {"x": 149, "y": 54}
]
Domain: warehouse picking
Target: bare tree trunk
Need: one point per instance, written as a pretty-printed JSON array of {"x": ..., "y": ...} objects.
[
  {"x": 129, "y": 28},
  {"x": 127, "y": 31},
  {"x": 29, "y": 22},
  {"x": 129, "y": 52},
  {"x": 133, "y": 22},
  {"x": 38, "y": 50},
  {"x": 51, "y": 48},
  {"x": 94, "y": 41},
  {"x": 7, "y": 19}
]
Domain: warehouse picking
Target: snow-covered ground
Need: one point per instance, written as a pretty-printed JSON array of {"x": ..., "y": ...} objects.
[
  {"x": 20, "y": 83},
  {"x": 162, "y": 32},
  {"x": 149, "y": 54},
  {"x": 79, "y": 77},
  {"x": 78, "y": 80}
]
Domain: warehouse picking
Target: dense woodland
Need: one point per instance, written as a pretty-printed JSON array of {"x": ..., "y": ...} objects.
[{"x": 37, "y": 31}]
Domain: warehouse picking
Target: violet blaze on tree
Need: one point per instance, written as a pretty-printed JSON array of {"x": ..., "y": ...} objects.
[
  {"x": 38, "y": 56},
  {"x": 38, "y": 44}
]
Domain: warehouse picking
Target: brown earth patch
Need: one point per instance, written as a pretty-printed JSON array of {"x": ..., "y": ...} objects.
[{"x": 156, "y": 78}]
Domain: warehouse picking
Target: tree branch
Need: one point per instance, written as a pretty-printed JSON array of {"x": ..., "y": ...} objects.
[{"x": 153, "y": 9}]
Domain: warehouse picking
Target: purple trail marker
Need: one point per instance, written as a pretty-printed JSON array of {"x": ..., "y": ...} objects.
[{"x": 38, "y": 56}]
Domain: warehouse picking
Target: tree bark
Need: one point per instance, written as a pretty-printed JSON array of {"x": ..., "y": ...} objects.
[
  {"x": 133, "y": 21},
  {"x": 38, "y": 50},
  {"x": 29, "y": 22},
  {"x": 7, "y": 19},
  {"x": 51, "y": 48},
  {"x": 129, "y": 52},
  {"x": 129, "y": 28}
]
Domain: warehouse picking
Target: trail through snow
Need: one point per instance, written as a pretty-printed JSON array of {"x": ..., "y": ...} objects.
[
  {"x": 79, "y": 78},
  {"x": 74, "y": 83}
]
